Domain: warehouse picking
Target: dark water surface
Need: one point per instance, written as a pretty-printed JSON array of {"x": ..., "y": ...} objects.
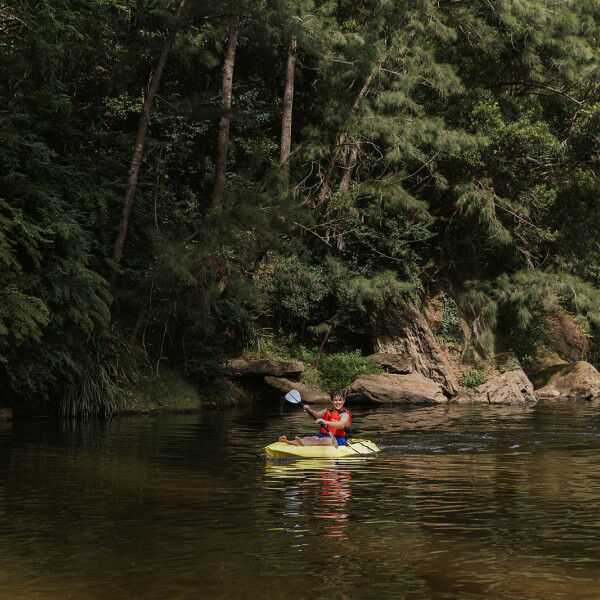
[{"x": 463, "y": 503}]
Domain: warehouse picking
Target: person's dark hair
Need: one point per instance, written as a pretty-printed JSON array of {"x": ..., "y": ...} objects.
[{"x": 337, "y": 393}]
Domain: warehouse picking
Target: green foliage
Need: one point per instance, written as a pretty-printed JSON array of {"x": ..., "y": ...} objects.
[
  {"x": 92, "y": 393},
  {"x": 293, "y": 287},
  {"x": 516, "y": 305},
  {"x": 451, "y": 141},
  {"x": 335, "y": 370},
  {"x": 449, "y": 330},
  {"x": 54, "y": 312},
  {"x": 267, "y": 346},
  {"x": 340, "y": 369},
  {"x": 472, "y": 377}
]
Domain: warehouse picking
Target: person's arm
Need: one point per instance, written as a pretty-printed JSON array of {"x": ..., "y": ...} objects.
[
  {"x": 343, "y": 422},
  {"x": 318, "y": 413}
]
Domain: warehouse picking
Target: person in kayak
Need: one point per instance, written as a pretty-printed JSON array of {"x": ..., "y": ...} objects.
[{"x": 336, "y": 418}]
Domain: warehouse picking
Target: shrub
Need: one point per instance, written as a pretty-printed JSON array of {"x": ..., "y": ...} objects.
[
  {"x": 339, "y": 370},
  {"x": 472, "y": 377},
  {"x": 311, "y": 377}
]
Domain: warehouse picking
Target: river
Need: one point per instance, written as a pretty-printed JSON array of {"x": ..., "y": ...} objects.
[{"x": 462, "y": 503}]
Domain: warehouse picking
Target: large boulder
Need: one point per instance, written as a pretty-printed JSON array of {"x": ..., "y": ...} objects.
[
  {"x": 393, "y": 363},
  {"x": 308, "y": 394},
  {"x": 401, "y": 330},
  {"x": 395, "y": 389},
  {"x": 572, "y": 380},
  {"x": 510, "y": 387},
  {"x": 259, "y": 367}
]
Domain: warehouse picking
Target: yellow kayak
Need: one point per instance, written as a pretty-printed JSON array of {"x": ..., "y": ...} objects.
[{"x": 353, "y": 448}]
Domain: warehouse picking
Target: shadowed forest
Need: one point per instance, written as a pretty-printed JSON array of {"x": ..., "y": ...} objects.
[{"x": 184, "y": 180}]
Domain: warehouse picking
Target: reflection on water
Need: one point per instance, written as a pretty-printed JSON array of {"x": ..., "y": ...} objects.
[
  {"x": 462, "y": 503},
  {"x": 321, "y": 486}
]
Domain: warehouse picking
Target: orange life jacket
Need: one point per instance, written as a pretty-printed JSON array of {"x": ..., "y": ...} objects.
[{"x": 335, "y": 416}]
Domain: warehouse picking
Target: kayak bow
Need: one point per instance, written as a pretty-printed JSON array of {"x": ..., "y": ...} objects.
[{"x": 353, "y": 448}]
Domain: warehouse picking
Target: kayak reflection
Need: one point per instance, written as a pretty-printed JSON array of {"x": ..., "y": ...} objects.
[
  {"x": 335, "y": 493},
  {"x": 320, "y": 489}
]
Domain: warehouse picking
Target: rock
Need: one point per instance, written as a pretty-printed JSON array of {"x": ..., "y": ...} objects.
[
  {"x": 547, "y": 392},
  {"x": 393, "y": 363},
  {"x": 239, "y": 396},
  {"x": 259, "y": 367},
  {"x": 395, "y": 389},
  {"x": 506, "y": 361},
  {"x": 509, "y": 387},
  {"x": 403, "y": 331},
  {"x": 6, "y": 414},
  {"x": 572, "y": 380},
  {"x": 308, "y": 394}
]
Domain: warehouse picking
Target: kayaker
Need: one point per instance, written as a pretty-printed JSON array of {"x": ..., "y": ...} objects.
[{"x": 336, "y": 418}]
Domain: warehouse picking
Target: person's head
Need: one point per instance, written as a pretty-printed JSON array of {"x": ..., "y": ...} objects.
[{"x": 337, "y": 398}]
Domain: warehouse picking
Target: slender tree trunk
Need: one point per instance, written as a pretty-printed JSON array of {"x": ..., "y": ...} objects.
[
  {"x": 227, "y": 85},
  {"x": 352, "y": 160},
  {"x": 322, "y": 346},
  {"x": 136, "y": 159},
  {"x": 157, "y": 185},
  {"x": 138, "y": 325},
  {"x": 318, "y": 359},
  {"x": 288, "y": 101}
]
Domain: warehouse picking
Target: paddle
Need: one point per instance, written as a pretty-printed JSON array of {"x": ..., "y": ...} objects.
[{"x": 294, "y": 397}]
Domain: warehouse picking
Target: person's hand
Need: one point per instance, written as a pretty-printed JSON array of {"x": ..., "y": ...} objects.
[
  {"x": 306, "y": 407},
  {"x": 320, "y": 421}
]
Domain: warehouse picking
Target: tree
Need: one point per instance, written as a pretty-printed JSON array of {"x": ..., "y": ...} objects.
[
  {"x": 54, "y": 316},
  {"x": 136, "y": 159},
  {"x": 288, "y": 102},
  {"x": 226, "y": 90}
]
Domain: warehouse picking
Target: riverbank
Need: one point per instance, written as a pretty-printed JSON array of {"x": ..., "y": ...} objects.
[
  {"x": 170, "y": 392},
  {"x": 158, "y": 392},
  {"x": 416, "y": 369}
]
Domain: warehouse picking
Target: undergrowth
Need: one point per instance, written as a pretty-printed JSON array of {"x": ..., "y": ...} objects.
[
  {"x": 165, "y": 391},
  {"x": 335, "y": 370}
]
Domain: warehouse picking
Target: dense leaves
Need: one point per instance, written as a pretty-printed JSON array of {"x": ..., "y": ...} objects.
[{"x": 435, "y": 145}]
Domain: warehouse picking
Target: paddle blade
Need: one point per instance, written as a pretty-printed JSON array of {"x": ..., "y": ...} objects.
[{"x": 294, "y": 397}]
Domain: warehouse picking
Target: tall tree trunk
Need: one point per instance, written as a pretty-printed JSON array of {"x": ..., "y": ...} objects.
[
  {"x": 288, "y": 101},
  {"x": 136, "y": 159},
  {"x": 227, "y": 85}
]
